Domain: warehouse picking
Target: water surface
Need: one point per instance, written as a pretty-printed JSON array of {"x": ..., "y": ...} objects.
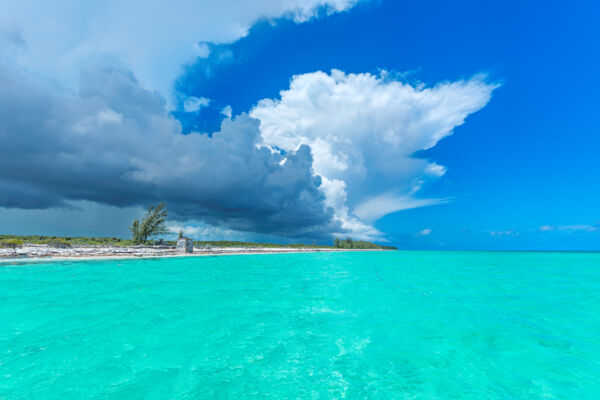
[{"x": 383, "y": 325}]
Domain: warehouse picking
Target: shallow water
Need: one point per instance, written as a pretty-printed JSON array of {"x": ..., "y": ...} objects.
[{"x": 389, "y": 325}]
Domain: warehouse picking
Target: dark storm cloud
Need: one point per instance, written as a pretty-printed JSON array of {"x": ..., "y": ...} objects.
[{"x": 114, "y": 143}]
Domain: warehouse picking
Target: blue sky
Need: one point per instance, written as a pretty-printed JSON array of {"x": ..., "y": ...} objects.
[{"x": 444, "y": 125}]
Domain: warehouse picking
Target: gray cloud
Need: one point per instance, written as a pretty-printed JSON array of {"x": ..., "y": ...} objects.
[
  {"x": 114, "y": 143},
  {"x": 12, "y": 37}
]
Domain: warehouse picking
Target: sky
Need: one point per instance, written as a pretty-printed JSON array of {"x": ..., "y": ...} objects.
[{"x": 423, "y": 124}]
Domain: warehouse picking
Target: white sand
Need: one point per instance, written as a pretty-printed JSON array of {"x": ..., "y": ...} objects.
[{"x": 49, "y": 253}]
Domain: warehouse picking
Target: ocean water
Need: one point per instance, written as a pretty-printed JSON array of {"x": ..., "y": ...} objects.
[{"x": 369, "y": 325}]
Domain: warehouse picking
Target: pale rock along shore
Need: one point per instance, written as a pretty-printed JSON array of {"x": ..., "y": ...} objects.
[{"x": 48, "y": 252}]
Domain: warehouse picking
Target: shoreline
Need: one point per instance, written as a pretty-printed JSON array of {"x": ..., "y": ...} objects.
[{"x": 152, "y": 253}]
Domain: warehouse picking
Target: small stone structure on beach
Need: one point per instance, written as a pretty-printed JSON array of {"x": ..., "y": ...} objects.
[{"x": 185, "y": 245}]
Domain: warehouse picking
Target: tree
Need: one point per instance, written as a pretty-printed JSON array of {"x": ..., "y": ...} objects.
[
  {"x": 152, "y": 224},
  {"x": 349, "y": 244},
  {"x": 180, "y": 234},
  {"x": 136, "y": 233}
]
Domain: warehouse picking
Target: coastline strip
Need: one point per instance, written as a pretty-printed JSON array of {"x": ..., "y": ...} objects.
[{"x": 200, "y": 253}]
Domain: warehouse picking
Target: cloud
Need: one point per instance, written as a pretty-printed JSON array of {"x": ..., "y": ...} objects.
[
  {"x": 114, "y": 143},
  {"x": 193, "y": 104},
  {"x": 587, "y": 228},
  {"x": 227, "y": 111},
  {"x": 570, "y": 228},
  {"x": 202, "y": 49},
  {"x": 304, "y": 11},
  {"x": 12, "y": 38},
  {"x": 424, "y": 232},
  {"x": 364, "y": 130},
  {"x": 504, "y": 233},
  {"x": 152, "y": 36},
  {"x": 547, "y": 228},
  {"x": 205, "y": 232},
  {"x": 332, "y": 155},
  {"x": 76, "y": 218},
  {"x": 378, "y": 206}
]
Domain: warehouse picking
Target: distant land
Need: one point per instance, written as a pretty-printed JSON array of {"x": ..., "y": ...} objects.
[
  {"x": 17, "y": 240},
  {"x": 36, "y": 246}
]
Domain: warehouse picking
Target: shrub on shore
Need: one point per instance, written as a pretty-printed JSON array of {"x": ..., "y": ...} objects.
[
  {"x": 350, "y": 243},
  {"x": 57, "y": 242},
  {"x": 67, "y": 241},
  {"x": 12, "y": 243}
]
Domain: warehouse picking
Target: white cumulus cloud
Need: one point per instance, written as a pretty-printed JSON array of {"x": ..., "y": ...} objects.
[{"x": 364, "y": 130}]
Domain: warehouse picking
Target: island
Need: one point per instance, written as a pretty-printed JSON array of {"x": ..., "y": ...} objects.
[{"x": 35, "y": 246}]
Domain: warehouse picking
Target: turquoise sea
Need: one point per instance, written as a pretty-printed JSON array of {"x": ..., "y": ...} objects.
[{"x": 368, "y": 325}]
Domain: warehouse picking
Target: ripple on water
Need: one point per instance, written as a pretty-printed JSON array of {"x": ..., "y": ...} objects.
[{"x": 408, "y": 325}]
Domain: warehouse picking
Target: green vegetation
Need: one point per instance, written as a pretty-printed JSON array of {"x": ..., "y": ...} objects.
[
  {"x": 11, "y": 243},
  {"x": 66, "y": 241},
  {"x": 153, "y": 224},
  {"x": 104, "y": 241},
  {"x": 57, "y": 242},
  {"x": 349, "y": 243},
  {"x": 15, "y": 241}
]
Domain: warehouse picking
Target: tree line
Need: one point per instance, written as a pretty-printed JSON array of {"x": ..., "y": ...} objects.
[{"x": 350, "y": 243}]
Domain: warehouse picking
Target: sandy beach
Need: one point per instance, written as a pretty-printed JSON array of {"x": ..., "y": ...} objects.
[{"x": 33, "y": 253}]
